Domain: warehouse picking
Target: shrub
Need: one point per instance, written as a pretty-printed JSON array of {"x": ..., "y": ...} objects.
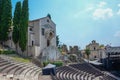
[
  {"x": 72, "y": 57},
  {"x": 7, "y": 52},
  {"x": 45, "y": 63},
  {"x": 1, "y": 51},
  {"x": 57, "y": 63}
]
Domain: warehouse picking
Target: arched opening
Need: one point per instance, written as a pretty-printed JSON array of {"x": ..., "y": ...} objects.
[
  {"x": 48, "y": 43},
  {"x": 50, "y": 34},
  {"x": 95, "y": 56},
  {"x": 32, "y": 43}
]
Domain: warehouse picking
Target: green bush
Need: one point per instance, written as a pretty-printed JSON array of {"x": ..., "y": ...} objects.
[
  {"x": 0, "y": 52},
  {"x": 7, "y": 52},
  {"x": 72, "y": 57},
  {"x": 45, "y": 63},
  {"x": 57, "y": 63}
]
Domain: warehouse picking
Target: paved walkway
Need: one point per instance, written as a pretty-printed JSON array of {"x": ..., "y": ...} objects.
[{"x": 45, "y": 77}]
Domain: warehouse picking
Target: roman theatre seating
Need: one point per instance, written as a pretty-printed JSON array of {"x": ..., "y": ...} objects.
[
  {"x": 12, "y": 70},
  {"x": 82, "y": 71}
]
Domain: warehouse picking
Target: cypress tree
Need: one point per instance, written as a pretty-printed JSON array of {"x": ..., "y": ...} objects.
[
  {"x": 0, "y": 18},
  {"x": 6, "y": 18},
  {"x": 24, "y": 26},
  {"x": 16, "y": 23},
  {"x": 57, "y": 40},
  {"x": 48, "y": 15},
  {"x": 0, "y": 8}
]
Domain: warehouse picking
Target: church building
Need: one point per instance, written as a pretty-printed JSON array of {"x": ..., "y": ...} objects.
[
  {"x": 94, "y": 49},
  {"x": 41, "y": 40}
]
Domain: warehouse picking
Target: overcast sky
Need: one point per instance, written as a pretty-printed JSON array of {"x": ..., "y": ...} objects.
[{"x": 78, "y": 22}]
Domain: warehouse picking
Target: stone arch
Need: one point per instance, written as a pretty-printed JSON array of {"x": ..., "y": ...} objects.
[{"x": 48, "y": 43}]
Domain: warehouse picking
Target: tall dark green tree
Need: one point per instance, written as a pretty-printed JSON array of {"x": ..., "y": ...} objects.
[
  {"x": 24, "y": 26},
  {"x": 57, "y": 40},
  {"x": 16, "y": 23},
  {"x": 0, "y": 8},
  {"x": 6, "y": 19},
  {"x": 48, "y": 15},
  {"x": 0, "y": 18}
]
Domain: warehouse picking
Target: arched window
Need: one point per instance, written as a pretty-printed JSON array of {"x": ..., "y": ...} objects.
[
  {"x": 48, "y": 43},
  {"x": 43, "y": 31},
  {"x": 32, "y": 43}
]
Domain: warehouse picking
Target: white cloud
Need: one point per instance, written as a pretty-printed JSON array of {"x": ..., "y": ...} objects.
[
  {"x": 118, "y": 13},
  {"x": 81, "y": 12},
  {"x": 102, "y": 13},
  {"x": 118, "y": 5},
  {"x": 89, "y": 9},
  {"x": 97, "y": 11},
  {"x": 102, "y": 4},
  {"x": 117, "y": 34}
]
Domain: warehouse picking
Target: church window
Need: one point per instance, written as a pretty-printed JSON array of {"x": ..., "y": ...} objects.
[
  {"x": 95, "y": 57},
  {"x": 43, "y": 31},
  {"x": 50, "y": 34},
  {"x": 48, "y": 43},
  {"x": 47, "y": 20},
  {"x": 94, "y": 48},
  {"x": 31, "y": 29},
  {"x": 32, "y": 43}
]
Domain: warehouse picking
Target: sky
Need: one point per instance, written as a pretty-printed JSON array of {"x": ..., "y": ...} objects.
[{"x": 78, "y": 22}]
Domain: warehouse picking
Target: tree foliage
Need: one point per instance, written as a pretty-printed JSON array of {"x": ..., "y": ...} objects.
[
  {"x": 0, "y": 8},
  {"x": 87, "y": 52},
  {"x": 6, "y": 19},
  {"x": 57, "y": 40},
  {"x": 16, "y": 23},
  {"x": 48, "y": 15},
  {"x": 72, "y": 57},
  {"x": 0, "y": 18},
  {"x": 101, "y": 46},
  {"x": 24, "y": 26}
]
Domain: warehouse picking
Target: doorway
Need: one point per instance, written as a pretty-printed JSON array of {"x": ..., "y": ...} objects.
[{"x": 48, "y": 43}]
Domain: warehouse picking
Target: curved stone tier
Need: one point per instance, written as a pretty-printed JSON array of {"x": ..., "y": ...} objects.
[
  {"x": 10, "y": 69},
  {"x": 83, "y": 71}
]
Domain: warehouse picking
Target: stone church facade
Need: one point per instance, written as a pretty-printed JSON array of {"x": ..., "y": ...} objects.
[
  {"x": 41, "y": 39},
  {"x": 94, "y": 49}
]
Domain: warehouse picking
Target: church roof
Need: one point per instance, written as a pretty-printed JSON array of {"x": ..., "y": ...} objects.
[
  {"x": 41, "y": 19},
  {"x": 113, "y": 49}
]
